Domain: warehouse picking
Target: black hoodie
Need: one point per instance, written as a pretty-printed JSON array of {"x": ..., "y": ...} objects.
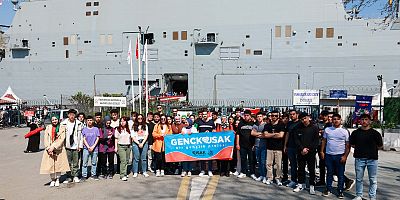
[{"x": 307, "y": 137}]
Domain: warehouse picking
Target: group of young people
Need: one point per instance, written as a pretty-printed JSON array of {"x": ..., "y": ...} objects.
[{"x": 266, "y": 145}]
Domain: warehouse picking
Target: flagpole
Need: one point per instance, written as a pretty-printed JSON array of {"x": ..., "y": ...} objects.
[
  {"x": 131, "y": 62},
  {"x": 140, "y": 79},
  {"x": 147, "y": 78}
]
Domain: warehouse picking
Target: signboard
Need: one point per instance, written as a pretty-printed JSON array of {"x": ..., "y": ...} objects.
[
  {"x": 305, "y": 97},
  {"x": 29, "y": 113},
  {"x": 110, "y": 101},
  {"x": 199, "y": 146},
  {"x": 363, "y": 106},
  {"x": 338, "y": 94}
]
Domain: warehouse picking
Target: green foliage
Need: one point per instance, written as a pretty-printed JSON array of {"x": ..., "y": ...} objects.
[
  {"x": 83, "y": 102},
  {"x": 391, "y": 111}
]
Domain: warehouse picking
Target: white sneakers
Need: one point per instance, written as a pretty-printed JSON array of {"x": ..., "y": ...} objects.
[
  {"x": 299, "y": 187},
  {"x": 241, "y": 175},
  {"x": 183, "y": 174},
  {"x": 210, "y": 174},
  {"x": 236, "y": 173},
  {"x": 312, "y": 191},
  {"x": 124, "y": 178},
  {"x": 176, "y": 172},
  {"x": 145, "y": 174},
  {"x": 357, "y": 198},
  {"x": 135, "y": 175},
  {"x": 76, "y": 180},
  {"x": 162, "y": 173},
  {"x": 189, "y": 174},
  {"x": 158, "y": 174},
  {"x": 278, "y": 182},
  {"x": 292, "y": 184},
  {"x": 52, "y": 183},
  {"x": 268, "y": 182},
  {"x": 264, "y": 180},
  {"x": 259, "y": 179},
  {"x": 253, "y": 176}
]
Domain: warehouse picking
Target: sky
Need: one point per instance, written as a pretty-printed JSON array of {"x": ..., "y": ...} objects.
[{"x": 7, "y": 12}]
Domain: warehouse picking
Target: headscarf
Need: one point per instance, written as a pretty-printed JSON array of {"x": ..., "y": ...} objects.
[
  {"x": 55, "y": 129},
  {"x": 190, "y": 123}
]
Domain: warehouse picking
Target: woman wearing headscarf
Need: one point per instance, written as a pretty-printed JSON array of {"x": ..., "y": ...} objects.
[
  {"x": 54, "y": 159},
  {"x": 107, "y": 149},
  {"x": 139, "y": 145},
  {"x": 34, "y": 140},
  {"x": 160, "y": 130},
  {"x": 187, "y": 166}
]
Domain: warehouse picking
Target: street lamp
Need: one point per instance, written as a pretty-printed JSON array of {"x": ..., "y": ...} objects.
[
  {"x": 380, "y": 79},
  {"x": 395, "y": 82}
]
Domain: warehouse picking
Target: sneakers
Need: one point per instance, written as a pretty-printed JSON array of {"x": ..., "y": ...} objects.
[
  {"x": 183, "y": 174},
  {"x": 135, "y": 175},
  {"x": 162, "y": 173},
  {"x": 189, "y": 174},
  {"x": 253, "y": 176},
  {"x": 326, "y": 192},
  {"x": 312, "y": 191},
  {"x": 357, "y": 198},
  {"x": 176, "y": 172},
  {"x": 94, "y": 178},
  {"x": 349, "y": 184},
  {"x": 340, "y": 195},
  {"x": 201, "y": 173},
  {"x": 278, "y": 182},
  {"x": 299, "y": 187},
  {"x": 145, "y": 174},
  {"x": 102, "y": 177},
  {"x": 110, "y": 176},
  {"x": 268, "y": 182},
  {"x": 210, "y": 174},
  {"x": 52, "y": 183},
  {"x": 259, "y": 179},
  {"x": 292, "y": 184},
  {"x": 57, "y": 183},
  {"x": 158, "y": 174},
  {"x": 150, "y": 170},
  {"x": 68, "y": 180},
  {"x": 241, "y": 175},
  {"x": 264, "y": 180},
  {"x": 236, "y": 173},
  {"x": 76, "y": 180},
  {"x": 124, "y": 178},
  {"x": 335, "y": 178}
]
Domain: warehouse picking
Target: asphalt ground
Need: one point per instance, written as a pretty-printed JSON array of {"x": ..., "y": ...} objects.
[{"x": 20, "y": 179}]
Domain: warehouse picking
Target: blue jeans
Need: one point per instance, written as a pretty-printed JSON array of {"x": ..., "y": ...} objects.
[
  {"x": 372, "y": 167},
  {"x": 139, "y": 153},
  {"x": 261, "y": 156},
  {"x": 186, "y": 166},
  {"x": 292, "y": 155},
  {"x": 93, "y": 158},
  {"x": 333, "y": 165}
]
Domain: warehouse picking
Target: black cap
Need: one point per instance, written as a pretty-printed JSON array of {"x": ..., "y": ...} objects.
[
  {"x": 303, "y": 114},
  {"x": 72, "y": 111},
  {"x": 324, "y": 113}
]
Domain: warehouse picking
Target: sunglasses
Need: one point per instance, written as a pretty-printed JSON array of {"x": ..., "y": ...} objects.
[
  {"x": 163, "y": 118},
  {"x": 274, "y": 115},
  {"x": 159, "y": 108}
]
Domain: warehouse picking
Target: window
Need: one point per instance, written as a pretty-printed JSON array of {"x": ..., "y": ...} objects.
[
  {"x": 330, "y": 32},
  {"x": 102, "y": 39},
  {"x": 398, "y": 43},
  {"x": 184, "y": 35},
  {"x": 186, "y": 52},
  {"x": 354, "y": 44},
  {"x": 319, "y": 32},
  {"x": 248, "y": 51},
  {"x": 66, "y": 54},
  {"x": 339, "y": 37},
  {"x": 96, "y": 3},
  {"x": 164, "y": 34},
  {"x": 25, "y": 43},
  {"x": 277, "y": 31},
  {"x": 53, "y": 44},
  {"x": 88, "y": 3},
  {"x": 288, "y": 31},
  {"x": 257, "y": 52},
  {"x": 339, "y": 44},
  {"x": 65, "y": 40},
  {"x": 175, "y": 35},
  {"x": 72, "y": 39},
  {"x": 210, "y": 37},
  {"x": 229, "y": 53},
  {"x": 88, "y": 13},
  {"x": 247, "y": 36},
  {"x": 109, "y": 39},
  {"x": 95, "y": 12},
  {"x": 86, "y": 41},
  {"x": 149, "y": 37}
]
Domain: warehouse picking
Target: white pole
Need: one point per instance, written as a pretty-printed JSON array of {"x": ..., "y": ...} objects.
[
  {"x": 140, "y": 79},
  {"x": 147, "y": 79},
  {"x": 131, "y": 62}
]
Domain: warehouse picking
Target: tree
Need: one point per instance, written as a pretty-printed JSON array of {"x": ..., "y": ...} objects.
[
  {"x": 83, "y": 102},
  {"x": 388, "y": 10}
]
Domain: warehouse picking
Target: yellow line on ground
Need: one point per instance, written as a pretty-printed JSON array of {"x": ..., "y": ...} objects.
[
  {"x": 211, "y": 187},
  {"x": 183, "y": 189}
]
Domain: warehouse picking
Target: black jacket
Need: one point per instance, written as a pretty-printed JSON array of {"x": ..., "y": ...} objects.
[{"x": 307, "y": 137}]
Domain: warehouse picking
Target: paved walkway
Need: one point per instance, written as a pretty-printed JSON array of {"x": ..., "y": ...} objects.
[{"x": 20, "y": 179}]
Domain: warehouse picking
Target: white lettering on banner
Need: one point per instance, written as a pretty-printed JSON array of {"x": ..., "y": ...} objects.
[{"x": 200, "y": 140}]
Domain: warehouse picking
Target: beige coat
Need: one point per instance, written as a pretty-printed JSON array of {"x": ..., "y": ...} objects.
[{"x": 59, "y": 161}]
